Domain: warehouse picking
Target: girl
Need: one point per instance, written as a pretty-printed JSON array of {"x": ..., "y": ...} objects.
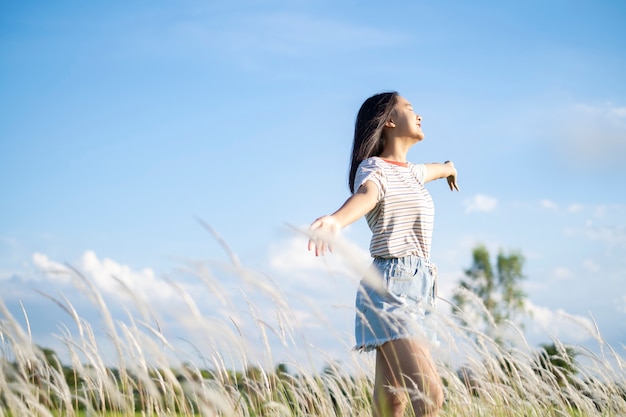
[{"x": 389, "y": 191}]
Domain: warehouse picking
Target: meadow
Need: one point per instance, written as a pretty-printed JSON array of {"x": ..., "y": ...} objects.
[{"x": 136, "y": 369}]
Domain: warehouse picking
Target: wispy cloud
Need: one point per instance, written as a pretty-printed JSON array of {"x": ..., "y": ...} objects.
[
  {"x": 612, "y": 235},
  {"x": 296, "y": 35},
  {"x": 594, "y": 134},
  {"x": 549, "y": 204},
  {"x": 257, "y": 40},
  {"x": 558, "y": 323},
  {"x": 480, "y": 203}
]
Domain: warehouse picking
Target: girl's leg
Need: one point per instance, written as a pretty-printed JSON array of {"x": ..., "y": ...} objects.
[{"x": 404, "y": 366}]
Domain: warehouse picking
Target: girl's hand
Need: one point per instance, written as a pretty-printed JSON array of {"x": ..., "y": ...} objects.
[
  {"x": 452, "y": 177},
  {"x": 323, "y": 231}
]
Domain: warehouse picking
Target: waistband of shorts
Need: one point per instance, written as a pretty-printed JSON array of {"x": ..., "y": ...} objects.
[{"x": 408, "y": 259}]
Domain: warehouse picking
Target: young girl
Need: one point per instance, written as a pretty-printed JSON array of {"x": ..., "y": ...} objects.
[{"x": 392, "y": 317}]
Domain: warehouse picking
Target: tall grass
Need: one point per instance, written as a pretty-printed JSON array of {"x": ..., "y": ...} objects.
[{"x": 138, "y": 368}]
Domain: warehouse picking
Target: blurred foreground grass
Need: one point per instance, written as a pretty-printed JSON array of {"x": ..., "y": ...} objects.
[{"x": 495, "y": 378}]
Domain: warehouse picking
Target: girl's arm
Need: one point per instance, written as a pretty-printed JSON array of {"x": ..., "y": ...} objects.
[
  {"x": 445, "y": 170},
  {"x": 325, "y": 228}
]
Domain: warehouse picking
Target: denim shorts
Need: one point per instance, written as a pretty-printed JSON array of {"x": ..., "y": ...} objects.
[{"x": 399, "y": 306}]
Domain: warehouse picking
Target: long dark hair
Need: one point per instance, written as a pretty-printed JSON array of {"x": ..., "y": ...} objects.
[{"x": 368, "y": 130}]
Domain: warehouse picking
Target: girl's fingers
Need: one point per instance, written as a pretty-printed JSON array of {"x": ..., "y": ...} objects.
[{"x": 320, "y": 231}]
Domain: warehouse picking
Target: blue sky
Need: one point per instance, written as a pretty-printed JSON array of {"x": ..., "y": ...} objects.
[{"x": 125, "y": 122}]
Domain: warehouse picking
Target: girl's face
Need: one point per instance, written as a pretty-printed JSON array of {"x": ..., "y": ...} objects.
[{"x": 404, "y": 120}]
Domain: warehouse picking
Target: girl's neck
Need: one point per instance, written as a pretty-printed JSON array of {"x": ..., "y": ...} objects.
[
  {"x": 395, "y": 149},
  {"x": 399, "y": 157}
]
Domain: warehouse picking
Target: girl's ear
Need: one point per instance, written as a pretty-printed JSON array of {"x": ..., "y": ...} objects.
[{"x": 390, "y": 123}]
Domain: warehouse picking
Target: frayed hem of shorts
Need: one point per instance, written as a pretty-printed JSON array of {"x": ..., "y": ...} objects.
[{"x": 368, "y": 347}]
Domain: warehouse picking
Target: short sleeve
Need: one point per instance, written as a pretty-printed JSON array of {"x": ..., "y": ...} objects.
[
  {"x": 419, "y": 170},
  {"x": 371, "y": 170}
]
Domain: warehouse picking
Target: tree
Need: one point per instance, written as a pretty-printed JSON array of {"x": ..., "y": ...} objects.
[
  {"x": 559, "y": 360},
  {"x": 282, "y": 370},
  {"x": 497, "y": 288}
]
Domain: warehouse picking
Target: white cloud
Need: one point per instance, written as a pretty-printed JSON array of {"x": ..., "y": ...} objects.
[
  {"x": 612, "y": 235},
  {"x": 621, "y": 304},
  {"x": 600, "y": 211},
  {"x": 562, "y": 273},
  {"x": 559, "y": 324},
  {"x": 104, "y": 274},
  {"x": 292, "y": 255},
  {"x": 479, "y": 203},
  {"x": 618, "y": 113},
  {"x": 605, "y": 225},
  {"x": 551, "y": 205},
  {"x": 53, "y": 270},
  {"x": 590, "y": 265},
  {"x": 575, "y": 208}
]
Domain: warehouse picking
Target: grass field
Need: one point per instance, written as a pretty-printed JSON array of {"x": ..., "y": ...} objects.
[{"x": 494, "y": 379}]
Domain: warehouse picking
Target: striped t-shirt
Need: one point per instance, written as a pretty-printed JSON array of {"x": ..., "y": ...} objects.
[{"x": 402, "y": 221}]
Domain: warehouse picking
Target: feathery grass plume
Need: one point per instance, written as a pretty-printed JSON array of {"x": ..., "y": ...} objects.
[{"x": 227, "y": 362}]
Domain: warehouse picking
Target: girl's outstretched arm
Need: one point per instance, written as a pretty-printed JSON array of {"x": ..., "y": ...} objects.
[
  {"x": 446, "y": 170},
  {"x": 325, "y": 228}
]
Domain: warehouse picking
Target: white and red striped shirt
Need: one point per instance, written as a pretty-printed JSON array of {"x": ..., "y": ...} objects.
[{"x": 402, "y": 221}]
